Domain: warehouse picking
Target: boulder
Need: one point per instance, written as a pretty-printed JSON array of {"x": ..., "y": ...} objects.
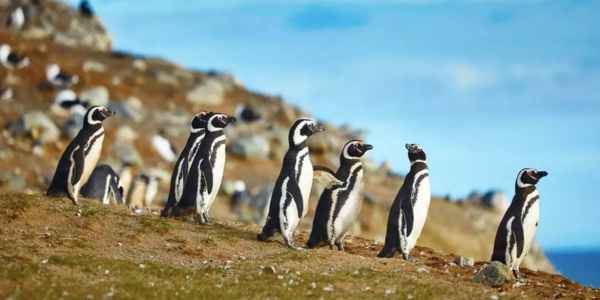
[
  {"x": 36, "y": 125},
  {"x": 462, "y": 261},
  {"x": 131, "y": 109},
  {"x": 251, "y": 147},
  {"x": 211, "y": 92},
  {"x": 11, "y": 181},
  {"x": 494, "y": 274},
  {"x": 495, "y": 200},
  {"x": 98, "y": 95},
  {"x": 93, "y": 66}
]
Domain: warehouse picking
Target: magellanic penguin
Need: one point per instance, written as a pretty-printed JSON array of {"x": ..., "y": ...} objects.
[
  {"x": 184, "y": 162},
  {"x": 163, "y": 146},
  {"x": 519, "y": 224},
  {"x": 12, "y": 60},
  {"x": 144, "y": 189},
  {"x": 340, "y": 204},
  {"x": 289, "y": 199},
  {"x": 409, "y": 210},
  {"x": 59, "y": 78},
  {"x": 104, "y": 185},
  {"x": 81, "y": 156},
  {"x": 206, "y": 172}
]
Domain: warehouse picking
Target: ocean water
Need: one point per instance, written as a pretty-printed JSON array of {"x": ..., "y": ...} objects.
[{"x": 580, "y": 266}]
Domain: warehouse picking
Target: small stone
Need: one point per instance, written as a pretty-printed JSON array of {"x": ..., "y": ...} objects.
[
  {"x": 494, "y": 274},
  {"x": 494, "y": 297},
  {"x": 251, "y": 147},
  {"x": 388, "y": 291},
  {"x": 328, "y": 288},
  {"x": 140, "y": 65},
  {"x": 98, "y": 95},
  {"x": 93, "y": 66},
  {"x": 270, "y": 270},
  {"x": 142, "y": 266},
  {"x": 313, "y": 285},
  {"x": 210, "y": 93},
  {"x": 464, "y": 261},
  {"x": 422, "y": 270}
]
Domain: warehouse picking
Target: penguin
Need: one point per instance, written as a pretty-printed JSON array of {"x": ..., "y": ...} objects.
[
  {"x": 339, "y": 204},
  {"x": 126, "y": 178},
  {"x": 518, "y": 226},
  {"x": 81, "y": 156},
  {"x": 409, "y": 210},
  {"x": 289, "y": 199},
  {"x": 6, "y": 94},
  {"x": 67, "y": 103},
  {"x": 184, "y": 162},
  {"x": 16, "y": 19},
  {"x": 85, "y": 9},
  {"x": 58, "y": 78},
  {"x": 163, "y": 146},
  {"x": 206, "y": 172},
  {"x": 12, "y": 60},
  {"x": 247, "y": 114},
  {"x": 104, "y": 186},
  {"x": 136, "y": 199}
]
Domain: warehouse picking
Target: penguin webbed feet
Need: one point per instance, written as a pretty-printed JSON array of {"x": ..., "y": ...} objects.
[
  {"x": 204, "y": 219},
  {"x": 408, "y": 258},
  {"x": 339, "y": 245},
  {"x": 518, "y": 275},
  {"x": 387, "y": 252}
]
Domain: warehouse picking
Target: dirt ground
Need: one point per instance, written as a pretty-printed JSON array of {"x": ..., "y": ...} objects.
[{"x": 50, "y": 249}]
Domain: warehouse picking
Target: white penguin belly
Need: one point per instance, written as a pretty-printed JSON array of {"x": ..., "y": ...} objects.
[
  {"x": 305, "y": 181},
  {"x": 350, "y": 211},
  {"x": 91, "y": 159},
  {"x": 217, "y": 171},
  {"x": 420, "y": 211},
  {"x": 529, "y": 229},
  {"x": 288, "y": 216}
]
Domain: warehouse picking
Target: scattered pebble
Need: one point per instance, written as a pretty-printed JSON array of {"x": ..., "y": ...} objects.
[
  {"x": 313, "y": 285},
  {"x": 422, "y": 270},
  {"x": 388, "y": 291},
  {"x": 142, "y": 266},
  {"x": 494, "y": 297},
  {"x": 328, "y": 288}
]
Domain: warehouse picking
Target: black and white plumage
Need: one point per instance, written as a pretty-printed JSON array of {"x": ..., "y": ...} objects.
[
  {"x": 411, "y": 205},
  {"x": 85, "y": 9},
  {"x": 16, "y": 19},
  {"x": 66, "y": 103},
  {"x": 104, "y": 185},
  {"x": 81, "y": 156},
  {"x": 247, "y": 114},
  {"x": 184, "y": 162},
  {"x": 144, "y": 189},
  {"x": 163, "y": 146},
  {"x": 289, "y": 199},
  {"x": 206, "y": 172},
  {"x": 518, "y": 226},
  {"x": 59, "y": 78},
  {"x": 12, "y": 60},
  {"x": 340, "y": 203}
]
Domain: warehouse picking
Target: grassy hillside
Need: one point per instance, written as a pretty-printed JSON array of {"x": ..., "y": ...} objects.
[{"x": 51, "y": 249}]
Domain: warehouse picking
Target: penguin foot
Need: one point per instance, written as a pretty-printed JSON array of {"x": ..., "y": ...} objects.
[
  {"x": 518, "y": 275},
  {"x": 386, "y": 253},
  {"x": 408, "y": 258},
  {"x": 340, "y": 245}
]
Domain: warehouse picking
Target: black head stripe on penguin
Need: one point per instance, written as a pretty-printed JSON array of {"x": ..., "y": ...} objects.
[
  {"x": 355, "y": 149},
  {"x": 218, "y": 121},
  {"x": 199, "y": 121},
  {"x": 301, "y": 130},
  {"x": 415, "y": 152},
  {"x": 96, "y": 114},
  {"x": 529, "y": 176}
]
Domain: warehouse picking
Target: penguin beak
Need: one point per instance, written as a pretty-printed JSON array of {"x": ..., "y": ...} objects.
[
  {"x": 541, "y": 174},
  {"x": 367, "y": 147},
  {"x": 108, "y": 113}
]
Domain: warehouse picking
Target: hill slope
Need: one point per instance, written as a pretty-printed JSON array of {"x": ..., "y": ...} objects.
[{"x": 51, "y": 249}]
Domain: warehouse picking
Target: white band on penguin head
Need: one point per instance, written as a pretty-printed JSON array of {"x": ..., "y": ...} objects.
[{"x": 90, "y": 116}]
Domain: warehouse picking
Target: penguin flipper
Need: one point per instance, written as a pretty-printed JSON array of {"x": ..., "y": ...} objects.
[
  {"x": 408, "y": 219},
  {"x": 517, "y": 230},
  {"x": 294, "y": 194},
  {"x": 207, "y": 176}
]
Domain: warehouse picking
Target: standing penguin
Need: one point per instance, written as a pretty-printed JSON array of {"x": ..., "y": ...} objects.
[
  {"x": 104, "y": 185},
  {"x": 289, "y": 200},
  {"x": 519, "y": 224},
  {"x": 81, "y": 156},
  {"x": 409, "y": 210},
  {"x": 206, "y": 172},
  {"x": 12, "y": 60},
  {"x": 340, "y": 204},
  {"x": 184, "y": 162}
]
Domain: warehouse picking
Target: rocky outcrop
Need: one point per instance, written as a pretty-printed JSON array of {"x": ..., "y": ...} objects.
[{"x": 56, "y": 21}]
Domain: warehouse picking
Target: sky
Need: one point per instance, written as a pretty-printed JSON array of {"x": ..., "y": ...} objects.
[{"x": 486, "y": 87}]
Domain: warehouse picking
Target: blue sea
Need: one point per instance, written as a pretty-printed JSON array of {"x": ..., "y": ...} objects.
[{"x": 580, "y": 266}]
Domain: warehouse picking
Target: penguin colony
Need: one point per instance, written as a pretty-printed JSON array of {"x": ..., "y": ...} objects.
[{"x": 198, "y": 173}]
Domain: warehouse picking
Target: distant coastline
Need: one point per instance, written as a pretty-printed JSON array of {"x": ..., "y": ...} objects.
[{"x": 579, "y": 265}]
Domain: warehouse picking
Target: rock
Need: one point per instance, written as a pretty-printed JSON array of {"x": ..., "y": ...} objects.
[
  {"x": 98, "y": 95},
  {"x": 210, "y": 93},
  {"x": 495, "y": 200},
  {"x": 36, "y": 125},
  {"x": 140, "y": 65},
  {"x": 251, "y": 147},
  {"x": 127, "y": 153},
  {"x": 73, "y": 124},
  {"x": 494, "y": 274},
  {"x": 270, "y": 270},
  {"x": 464, "y": 261},
  {"x": 167, "y": 79},
  {"x": 129, "y": 109},
  {"x": 126, "y": 134},
  {"x": 93, "y": 66},
  {"x": 11, "y": 181}
]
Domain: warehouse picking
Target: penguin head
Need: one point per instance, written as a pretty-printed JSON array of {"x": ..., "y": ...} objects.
[
  {"x": 355, "y": 149},
  {"x": 52, "y": 70},
  {"x": 4, "y": 51},
  {"x": 302, "y": 129},
  {"x": 96, "y": 114},
  {"x": 529, "y": 177},
  {"x": 415, "y": 153},
  {"x": 218, "y": 121},
  {"x": 199, "y": 121}
]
